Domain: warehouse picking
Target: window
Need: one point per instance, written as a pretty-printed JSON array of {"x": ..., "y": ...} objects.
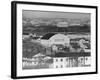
[
  {"x": 66, "y": 59},
  {"x": 86, "y": 58},
  {"x": 56, "y": 60},
  {"x": 81, "y": 58},
  {"x": 56, "y": 66},
  {"x": 61, "y": 66},
  {"x": 61, "y": 59}
]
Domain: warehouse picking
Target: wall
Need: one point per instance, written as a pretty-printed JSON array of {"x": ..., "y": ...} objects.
[{"x": 5, "y": 41}]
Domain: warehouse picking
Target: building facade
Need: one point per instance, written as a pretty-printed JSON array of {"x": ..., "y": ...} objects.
[
  {"x": 71, "y": 60},
  {"x": 52, "y": 38}
]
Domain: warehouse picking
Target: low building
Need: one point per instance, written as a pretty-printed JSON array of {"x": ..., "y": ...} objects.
[
  {"x": 25, "y": 36},
  {"x": 64, "y": 60}
]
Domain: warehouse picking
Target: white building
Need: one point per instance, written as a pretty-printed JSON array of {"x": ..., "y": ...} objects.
[
  {"x": 60, "y": 62},
  {"x": 84, "y": 61},
  {"x": 52, "y": 38},
  {"x": 64, "y": 60}
]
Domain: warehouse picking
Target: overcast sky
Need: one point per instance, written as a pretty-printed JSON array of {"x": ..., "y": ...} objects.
[{"x": 49, "y": 14}]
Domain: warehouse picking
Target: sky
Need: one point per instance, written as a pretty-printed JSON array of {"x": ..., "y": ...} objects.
[{"x": 51, "y": 14}]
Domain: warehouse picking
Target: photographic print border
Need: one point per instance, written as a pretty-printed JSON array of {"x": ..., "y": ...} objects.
[{"x": 14, "y": 38}]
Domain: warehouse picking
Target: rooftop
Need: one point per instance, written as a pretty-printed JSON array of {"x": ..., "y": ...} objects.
[
  {"x": 72, "y": 54},
  {"x": 48, "y": 35}
]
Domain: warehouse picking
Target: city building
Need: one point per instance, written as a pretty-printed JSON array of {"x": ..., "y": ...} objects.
[
  {"x": 64, "y": 60},
  {"x": 54, "y": 39}
]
